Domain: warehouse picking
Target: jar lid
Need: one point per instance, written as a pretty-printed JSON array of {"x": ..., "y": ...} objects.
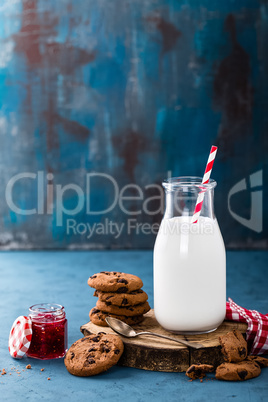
[{"x": 20, "y": 337}]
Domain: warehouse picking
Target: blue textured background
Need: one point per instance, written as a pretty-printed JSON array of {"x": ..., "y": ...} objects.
[{"x": 133, "y": 89}]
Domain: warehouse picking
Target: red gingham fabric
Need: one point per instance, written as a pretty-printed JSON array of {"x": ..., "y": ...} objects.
[
  {"x": 20, "y": 337},
  {"x": 257, "y": 332}
]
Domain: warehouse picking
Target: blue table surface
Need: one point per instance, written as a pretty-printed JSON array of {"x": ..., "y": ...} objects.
[{"x": 34, "y": 277}]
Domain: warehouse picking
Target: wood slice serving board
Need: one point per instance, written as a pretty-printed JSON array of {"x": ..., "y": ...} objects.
[{"x": 156, "y": 354}]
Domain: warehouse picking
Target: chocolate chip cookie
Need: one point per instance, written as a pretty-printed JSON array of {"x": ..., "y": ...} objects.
[
  {"x": 234, "y": 346},
  {"x": 199, "y": 370},
  {"x": 107, "y": 281},
  {"x": 122, "y": 299},
  {"x": 127, "y": 311},
  {"x": 240, "y": 371},
  {"x": 98, "y": 318},
  {"x": 261, "y": 361},
  {"x": 93, "y": 354}
]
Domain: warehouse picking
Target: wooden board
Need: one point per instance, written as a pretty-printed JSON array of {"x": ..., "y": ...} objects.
[{"x": 156, "y": 354}]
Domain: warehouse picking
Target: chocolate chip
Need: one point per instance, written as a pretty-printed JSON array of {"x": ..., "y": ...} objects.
[
  {"x": 93, "y": 276},
  {"x": 122, "y": 281},
  {"x": 258, "y": 362},
  {"x": 104, "y": 272},
  {"x": 191, "y": 369},
  {"x": 242, "y": 352},
  {"x": 84, "y": 339},
  {"x": 105, "y": 349},
  {"x": 92, "y": 350},
  {"x": 104, "y": 333},
  {"x": 198, "y": 373},
  {"x": 95, "y": 311},
  {"x": 122, "y": 290},
  {"x": 90, "y": 360},
  {"x": 96, "y": 339},
  {"x": 124, "y": 302},
  {"x": 108, "y": 303},
  {"x": 242, "y": 374},
  {"x": 117, "y": 351},
  {"x": 115, "y": 273},
  {"x": 72, "y": 355}
]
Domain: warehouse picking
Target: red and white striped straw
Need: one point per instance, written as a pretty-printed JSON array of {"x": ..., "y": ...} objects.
[{"x": 200, "y": 198}]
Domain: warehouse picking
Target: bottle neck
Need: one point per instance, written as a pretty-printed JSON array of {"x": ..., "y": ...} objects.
[{"x": 182, "y": 202}]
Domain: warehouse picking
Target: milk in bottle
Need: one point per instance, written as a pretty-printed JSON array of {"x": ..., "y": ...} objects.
[{"x": 189, "y": 261}]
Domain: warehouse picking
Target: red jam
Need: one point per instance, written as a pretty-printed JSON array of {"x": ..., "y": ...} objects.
[{"x": 49, "y": 326}]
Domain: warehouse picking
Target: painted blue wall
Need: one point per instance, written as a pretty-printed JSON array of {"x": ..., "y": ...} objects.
[{"x": 132, "y": 89}]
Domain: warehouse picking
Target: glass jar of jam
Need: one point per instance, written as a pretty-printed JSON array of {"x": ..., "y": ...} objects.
[{"x": 49, "y": 331}]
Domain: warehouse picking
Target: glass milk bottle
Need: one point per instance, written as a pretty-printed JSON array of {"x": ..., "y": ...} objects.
[{"x": 189, "y": 261}]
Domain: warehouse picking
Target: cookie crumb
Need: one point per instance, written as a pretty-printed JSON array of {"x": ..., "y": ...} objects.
[
  {"x": 48, "y": 378},
  {"x": 28, "y": 366},
  {"x": 3, "y": 372},
  {"x": 199, "y": 371},
  {"x": 42, "y": 369}
]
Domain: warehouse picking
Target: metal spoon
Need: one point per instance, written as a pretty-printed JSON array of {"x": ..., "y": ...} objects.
[{"x": 124, "y": 329}]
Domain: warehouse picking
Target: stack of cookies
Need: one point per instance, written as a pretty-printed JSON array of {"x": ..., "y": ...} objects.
[{"x": 120, "y": 296}]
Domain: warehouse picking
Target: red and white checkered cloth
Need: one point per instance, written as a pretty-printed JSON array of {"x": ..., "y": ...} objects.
[
  {"x": 20, "y": 337},
  {"x": 257, "y": 332}
]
